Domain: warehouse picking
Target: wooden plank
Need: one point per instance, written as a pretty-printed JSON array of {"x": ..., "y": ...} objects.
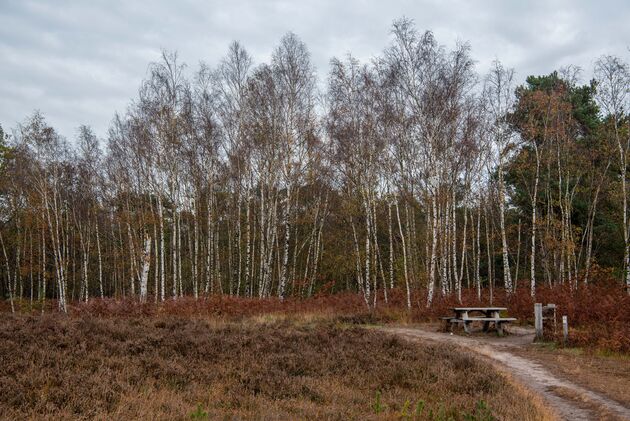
[
  {"x": 466, "y": 322},
  {"x": 478, "y": 308},
  {"x": 507, "y": 319},
  {"x": 481, "y": 319}
]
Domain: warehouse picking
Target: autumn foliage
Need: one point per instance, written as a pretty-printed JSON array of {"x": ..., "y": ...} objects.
[{"x": 599, "y": 315}]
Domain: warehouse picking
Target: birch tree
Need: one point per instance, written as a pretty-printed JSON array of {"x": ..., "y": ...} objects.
[
  {"x": 613, "y": 95},
  {"x": 499, "y": 99}
]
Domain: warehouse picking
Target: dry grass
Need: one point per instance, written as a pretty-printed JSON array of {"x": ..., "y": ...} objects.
[
  {"x": 262, "y": 367},
  {"x": 598, "y": 412},
  {"x": 608, "y": 375}
]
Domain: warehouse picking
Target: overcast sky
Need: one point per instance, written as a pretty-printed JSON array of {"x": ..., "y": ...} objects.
[{"x": 80, "y": 61}]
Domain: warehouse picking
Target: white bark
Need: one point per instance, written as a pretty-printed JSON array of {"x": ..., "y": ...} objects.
[
  {"x": 533, "y": 244},
  {"x": 507, "y": 276},
  {"x": 248, "y": 247},
  {"x": 285, "y": 254},
  {"x": 478, "y": 253},
  {"x": 146, "y": 263},
  {"x": 195, "y": 262},
  {"x": 100, "y": 261},
  {"x": 8, "y": 269},
  {"x": 391, "y": 244},
  {"x": 433, "y": 260},
  {"x": 404, "y": 247},
  {"x": 162, "y": 252}
]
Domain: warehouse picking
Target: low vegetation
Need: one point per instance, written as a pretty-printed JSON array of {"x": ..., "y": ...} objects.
[
  {"x": 265, "y": 367},
  {"x": 222, "y": 356},
  {"x": 599, "y": 314},
  {"x": 603, "y": 372}
]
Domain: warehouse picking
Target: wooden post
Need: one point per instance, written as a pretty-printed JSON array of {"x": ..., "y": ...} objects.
[
  {"x": 565, "y": 329},
  {"x": 538, "y": 322}
]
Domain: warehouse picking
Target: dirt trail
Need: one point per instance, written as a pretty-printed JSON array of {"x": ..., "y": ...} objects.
[{"x": 530, "y": 374}]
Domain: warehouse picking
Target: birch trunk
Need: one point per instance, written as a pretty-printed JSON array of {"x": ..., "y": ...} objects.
[
  {"x": 210, "y": 240},
  {"x": 433, "y": 259},
  {"x": 8, "y": 269},
  {"x": 518, "y": 254},
  {"x": 195, "y": 262},
  {"x": 478, "y": 253},
  {"x": 162, "y": 252},
  {"x": 404, "y": 247},
  {"x": 248, "y": 247},
  {"x": 368, "y": 235},
  {"x": 174, "y": 253},
  {"x": 156, "y": 272},
  {"x": 391, "y": 244},
  {"x": 507, "y": 277},
  {"x": 533, "y": 244},
  {"x": 100, "y": 259},
  {"x": 146, "y": 262},
  {"x": 179, "y": 254},
  {"x": 464, "y": 249},
  {"x": 287, "y": 234},
  {"x": 489, "y": 253},
  {"x": 624, "y": 195},
  {"x": 359, "y": 271}
]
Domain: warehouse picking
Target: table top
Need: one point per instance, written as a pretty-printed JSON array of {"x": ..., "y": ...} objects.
[{"x": 478, "y": 308}]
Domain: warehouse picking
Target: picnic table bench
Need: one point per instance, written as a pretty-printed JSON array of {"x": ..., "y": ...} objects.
[{"x": 488, "y": 315}]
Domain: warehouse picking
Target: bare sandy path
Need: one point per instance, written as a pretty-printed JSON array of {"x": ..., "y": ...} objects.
[{"x": 532, "y": 375}]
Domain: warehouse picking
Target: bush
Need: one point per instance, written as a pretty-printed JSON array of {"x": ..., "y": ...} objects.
[{"x": 599, "y": 314}]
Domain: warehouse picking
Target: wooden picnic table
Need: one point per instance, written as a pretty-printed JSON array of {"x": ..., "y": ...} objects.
[{"x": 488, "y": 315}]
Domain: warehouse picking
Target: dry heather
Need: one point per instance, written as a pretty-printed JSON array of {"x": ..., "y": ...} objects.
[
  {"x": 599, "y": 314},
  {"x": 163, "y": 367}
]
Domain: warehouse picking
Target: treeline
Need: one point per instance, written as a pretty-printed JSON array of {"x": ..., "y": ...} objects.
[{"x": 411, "y": 172}]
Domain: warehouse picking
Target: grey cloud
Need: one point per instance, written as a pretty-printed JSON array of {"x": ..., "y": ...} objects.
[{"x": 79, "y": 62}]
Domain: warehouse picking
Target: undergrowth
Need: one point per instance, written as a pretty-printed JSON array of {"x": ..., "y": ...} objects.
[{"x": 599, "y": 315}]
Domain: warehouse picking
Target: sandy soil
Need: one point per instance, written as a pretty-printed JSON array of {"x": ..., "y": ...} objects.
[{"x": 570, "y": 399}]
